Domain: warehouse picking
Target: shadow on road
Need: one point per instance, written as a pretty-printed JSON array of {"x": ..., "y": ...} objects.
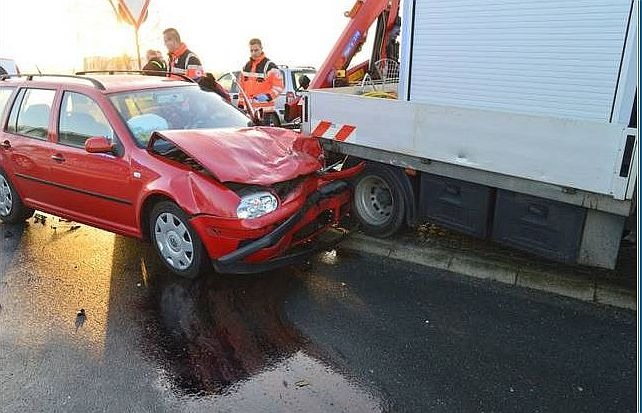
[
  {"x": 209, "y": 333},
  {"x": 10, "y": 237}
]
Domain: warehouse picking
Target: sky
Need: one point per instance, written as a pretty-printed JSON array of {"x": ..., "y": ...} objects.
[{"x": 55, "y": 35}]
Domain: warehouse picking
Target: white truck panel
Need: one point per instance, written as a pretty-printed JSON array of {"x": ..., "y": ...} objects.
[
  {"x": 547, "y": 57},
  {"x": 629, "y": 72},
  {"x": 580, "y": 154},
  {"x": 632, "y": 184}
]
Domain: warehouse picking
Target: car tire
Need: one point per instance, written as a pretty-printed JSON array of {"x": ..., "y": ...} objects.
[
  {"x": 12, "y": 209},
  {"x": 175, "y": 241},
  {"x": 378, "y": 201}
]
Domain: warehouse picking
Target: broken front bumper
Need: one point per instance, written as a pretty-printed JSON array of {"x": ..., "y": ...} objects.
[{"x": 298, "y": 229}]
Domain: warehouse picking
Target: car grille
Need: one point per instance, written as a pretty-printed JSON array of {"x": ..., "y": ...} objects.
[{"x": 283, "y": 189}]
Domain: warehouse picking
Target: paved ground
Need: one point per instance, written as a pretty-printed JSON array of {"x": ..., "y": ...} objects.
[
  {"x": 433, "y": 246},
  {"x": 351, "y": 332}
]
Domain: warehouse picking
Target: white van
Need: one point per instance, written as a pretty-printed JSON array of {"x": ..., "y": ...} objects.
[{"x": 9, "y": 66}]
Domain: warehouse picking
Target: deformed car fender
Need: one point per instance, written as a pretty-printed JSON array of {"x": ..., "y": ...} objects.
[{"x": 192, "y": 192}]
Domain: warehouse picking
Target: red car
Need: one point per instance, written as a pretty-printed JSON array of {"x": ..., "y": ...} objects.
[{"x": 158, "y": 158}]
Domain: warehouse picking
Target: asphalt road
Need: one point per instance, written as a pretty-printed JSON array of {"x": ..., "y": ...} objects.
[{"x": 347, "y": 333}]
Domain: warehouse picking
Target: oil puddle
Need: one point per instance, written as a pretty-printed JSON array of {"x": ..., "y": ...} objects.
[
  {"x": 224, "y": 342},
  {"x": 220, "y": 329}
]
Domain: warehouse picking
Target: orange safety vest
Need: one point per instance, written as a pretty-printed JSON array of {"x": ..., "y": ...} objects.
[
  {"x": 261, "y": 76},
  {"x": 183, "y": 61}
]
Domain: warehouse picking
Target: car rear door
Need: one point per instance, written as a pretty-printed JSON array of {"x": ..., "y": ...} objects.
[
  {"x": 95, "y": 187},
  {"x": 25, "y": 147}
]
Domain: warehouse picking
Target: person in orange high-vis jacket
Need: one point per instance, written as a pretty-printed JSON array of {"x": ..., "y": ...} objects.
[
  {"x": 261, "y": 80},
  {"x": 181, "y": 60}
]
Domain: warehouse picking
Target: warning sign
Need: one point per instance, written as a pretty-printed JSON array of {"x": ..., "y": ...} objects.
[{"x": 133, "y": 12}]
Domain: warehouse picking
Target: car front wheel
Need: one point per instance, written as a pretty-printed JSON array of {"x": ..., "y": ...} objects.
[
  {"x": 175, "y": 241},
  {"x": 12, "y": 210}
]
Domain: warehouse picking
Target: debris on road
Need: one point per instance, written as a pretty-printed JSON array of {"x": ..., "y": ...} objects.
[
  {"x": 81, "y": 317},
  {"x": 302, "y": 383},
  {"x": 66, "y": 223}
]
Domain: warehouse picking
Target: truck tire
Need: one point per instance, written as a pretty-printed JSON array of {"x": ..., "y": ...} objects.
[
  {"x": 378, "y": 203},
  {"x": 12, "y": 210}
]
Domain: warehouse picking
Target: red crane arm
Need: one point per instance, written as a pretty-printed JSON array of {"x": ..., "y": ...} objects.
[{"x": 362, "y": 15}]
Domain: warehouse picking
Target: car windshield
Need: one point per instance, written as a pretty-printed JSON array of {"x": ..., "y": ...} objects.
[{"x": 147, "y": 111}]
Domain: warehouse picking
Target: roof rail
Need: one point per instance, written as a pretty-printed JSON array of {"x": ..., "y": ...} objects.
[
  {"x": 30, "y": 77},
  {"x": 138, "y": 72},
  {"x": 296, "y": 67}
]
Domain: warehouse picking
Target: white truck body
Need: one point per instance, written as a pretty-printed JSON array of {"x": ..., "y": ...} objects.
[{"x": 532, "y": 97}]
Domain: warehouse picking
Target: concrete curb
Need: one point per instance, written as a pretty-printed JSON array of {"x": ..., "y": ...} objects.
[{"x": 488, "y": 268}]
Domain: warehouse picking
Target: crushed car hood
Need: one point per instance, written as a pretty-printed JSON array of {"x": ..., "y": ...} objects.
[{"x": 258, "y": 155}]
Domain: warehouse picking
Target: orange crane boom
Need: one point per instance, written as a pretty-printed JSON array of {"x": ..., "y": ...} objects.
[{"x": 333, "y": 71}]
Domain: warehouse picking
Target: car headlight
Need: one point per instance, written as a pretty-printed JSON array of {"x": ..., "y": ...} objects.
[{"x": 256, "y": 205}]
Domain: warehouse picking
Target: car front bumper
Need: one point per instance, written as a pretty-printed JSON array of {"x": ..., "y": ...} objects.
[{"x": 246, "y": 250}]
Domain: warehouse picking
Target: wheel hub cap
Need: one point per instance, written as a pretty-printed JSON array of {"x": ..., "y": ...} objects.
[
  {"x": 373, "y": 200},
  {"x": 174, "y": 241},
  {"x": 6, "y": 199}
]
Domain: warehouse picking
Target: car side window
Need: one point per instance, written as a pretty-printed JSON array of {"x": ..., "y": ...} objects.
[
  {"x": 81, "y": 118},
  {"x": 229, "y": 83},
  {"x": 226, "y": 81},
  {"x": 31, "y": 117},
  {"x": 5, "y": 94}
]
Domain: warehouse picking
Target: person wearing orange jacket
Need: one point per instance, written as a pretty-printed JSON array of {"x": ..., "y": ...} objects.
[
  {"x": 181, "y": 60},
  {"x": 261, "y": 80}
]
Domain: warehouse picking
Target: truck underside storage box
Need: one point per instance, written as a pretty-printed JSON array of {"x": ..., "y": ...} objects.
[
  {"x": 543, "y": 227},
  {"x": 456, "y": 204}
]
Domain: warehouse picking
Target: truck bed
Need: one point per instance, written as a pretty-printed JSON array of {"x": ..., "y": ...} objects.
[{"x": 572, "y": 154}]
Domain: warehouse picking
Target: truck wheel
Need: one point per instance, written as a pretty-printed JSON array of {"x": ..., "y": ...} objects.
[
  {"x": 378, "y": 201},
  {"x": 175, "y": 241},
  {"x": 12, "y": 210}
]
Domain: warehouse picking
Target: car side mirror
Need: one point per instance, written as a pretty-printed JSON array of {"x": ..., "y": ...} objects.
[{"x": 99, "y": 144}]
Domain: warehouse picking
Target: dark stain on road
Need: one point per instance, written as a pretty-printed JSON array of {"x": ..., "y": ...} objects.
[{"x": 219, "y": 330}]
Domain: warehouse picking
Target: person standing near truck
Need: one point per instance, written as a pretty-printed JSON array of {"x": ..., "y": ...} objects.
[
  {"x": 181, "y": 60},
  {"x": 155, "y": 63},
  {"x": 261, "y": 80}
]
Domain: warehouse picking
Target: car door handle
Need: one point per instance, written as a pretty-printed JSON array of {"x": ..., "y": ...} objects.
[
  {"x": 58, "y": 157},
  {"x": 6, "y": 144}
]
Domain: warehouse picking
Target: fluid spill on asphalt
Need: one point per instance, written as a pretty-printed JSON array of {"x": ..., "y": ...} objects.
[
  {"x": 219, "y": 330},
  {"x": 226, "y": 339}
]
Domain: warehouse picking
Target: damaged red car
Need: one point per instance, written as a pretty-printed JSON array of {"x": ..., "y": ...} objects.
[{"x": 159, "y": 159}]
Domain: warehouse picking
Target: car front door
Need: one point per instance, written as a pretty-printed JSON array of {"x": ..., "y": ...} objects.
[{"x": 97, "y": 188}]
